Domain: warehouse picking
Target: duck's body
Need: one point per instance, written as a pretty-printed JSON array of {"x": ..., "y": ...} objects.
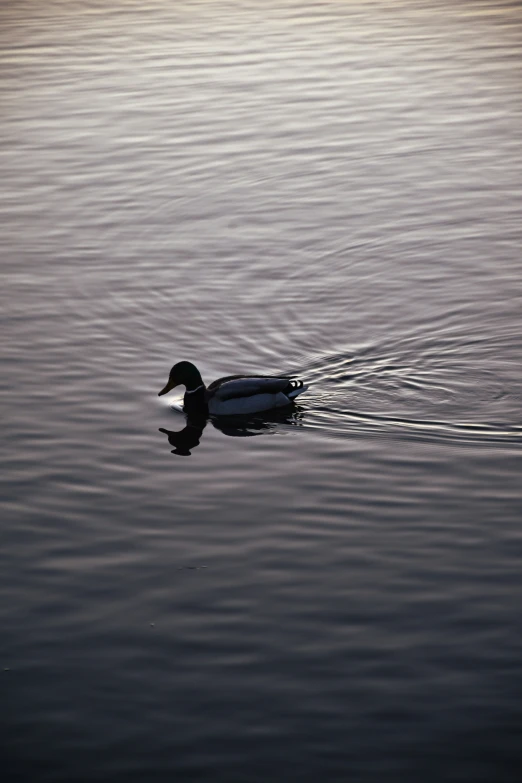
[{"x": 234, "y": 394}]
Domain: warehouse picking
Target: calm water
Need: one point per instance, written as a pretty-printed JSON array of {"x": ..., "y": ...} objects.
[{"x": 334, "y": 189}]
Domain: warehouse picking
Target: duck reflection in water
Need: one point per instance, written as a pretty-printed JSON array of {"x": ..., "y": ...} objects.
[{"x": 236, "y": 427}]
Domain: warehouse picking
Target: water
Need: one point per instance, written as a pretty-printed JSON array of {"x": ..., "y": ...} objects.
[{"x": 332, "y": 189}]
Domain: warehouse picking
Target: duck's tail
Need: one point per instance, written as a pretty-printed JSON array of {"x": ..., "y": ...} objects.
[{"x": 295, "y": 388}]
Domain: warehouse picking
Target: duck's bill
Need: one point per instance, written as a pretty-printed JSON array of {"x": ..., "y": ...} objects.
[{"x": 167, "y": 388}]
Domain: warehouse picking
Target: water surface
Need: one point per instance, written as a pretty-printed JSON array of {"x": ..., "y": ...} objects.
[{"x": 331, "y": 189}]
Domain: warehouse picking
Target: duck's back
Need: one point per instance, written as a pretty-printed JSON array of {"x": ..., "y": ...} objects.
[
  {"x": 235, "y": 386},
  {"x": 246, "y": 394}
]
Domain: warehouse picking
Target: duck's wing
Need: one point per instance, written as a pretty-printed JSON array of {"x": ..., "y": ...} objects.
[{"x": 234, "y": 386}]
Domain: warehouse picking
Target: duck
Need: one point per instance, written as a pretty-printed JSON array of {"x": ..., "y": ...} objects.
[{"x": 233, "y": 394}]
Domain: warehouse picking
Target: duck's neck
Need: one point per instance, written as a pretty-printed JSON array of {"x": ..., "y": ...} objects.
[
  {"x": 193, "y": 380},
  {"x": 193, "y": 390},
  {"x": 194, "y": 402}
]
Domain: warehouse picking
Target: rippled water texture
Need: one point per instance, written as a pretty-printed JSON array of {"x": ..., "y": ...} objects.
[{"x": 330, "y": 593}]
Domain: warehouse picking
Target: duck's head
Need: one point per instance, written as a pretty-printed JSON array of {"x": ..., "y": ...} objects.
[{"x": 182, "y": 374}]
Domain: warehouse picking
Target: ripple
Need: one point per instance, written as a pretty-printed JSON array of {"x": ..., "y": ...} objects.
[{"x": 413, "y": 390}]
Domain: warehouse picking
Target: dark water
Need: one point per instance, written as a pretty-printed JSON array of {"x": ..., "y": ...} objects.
[{"x": 327, "y": 188}]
